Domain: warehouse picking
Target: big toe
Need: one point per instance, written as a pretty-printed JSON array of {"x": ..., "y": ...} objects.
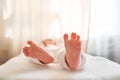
[
  {"x": 31, "y": 43},
  {"x": 65, "y": 37}
]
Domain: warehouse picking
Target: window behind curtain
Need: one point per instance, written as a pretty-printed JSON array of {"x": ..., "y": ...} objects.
[{"x": 104, "y": 37}]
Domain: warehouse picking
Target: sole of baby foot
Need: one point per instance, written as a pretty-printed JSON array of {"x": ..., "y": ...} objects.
[{"x": 73, "y": 49}]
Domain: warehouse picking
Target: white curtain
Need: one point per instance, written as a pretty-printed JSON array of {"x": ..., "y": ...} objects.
[
  {"x": 39, "y": 19},
  {"x": 104, "y": 37}
]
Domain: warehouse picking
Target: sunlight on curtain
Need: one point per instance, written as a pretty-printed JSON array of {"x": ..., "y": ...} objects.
[
  {"x": 39, "y": 19},
  {"x": 3, "y": 57},
  {"x": 104, "y": 37}
]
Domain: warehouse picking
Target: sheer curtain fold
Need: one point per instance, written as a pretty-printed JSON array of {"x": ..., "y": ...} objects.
[
  {"x": 104, "y": 37},
  {"x": 1, "y": 18},
  {"x": 3, "y": 41},
  {"x": 39, "y": 19}
]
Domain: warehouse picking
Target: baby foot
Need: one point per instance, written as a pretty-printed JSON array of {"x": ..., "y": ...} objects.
[
  {"x": 73, "y": 49},
  {"x": 37, "y": 52}
]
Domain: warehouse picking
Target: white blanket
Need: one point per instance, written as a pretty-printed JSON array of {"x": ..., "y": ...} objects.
[{"x": 96, "y": 68}]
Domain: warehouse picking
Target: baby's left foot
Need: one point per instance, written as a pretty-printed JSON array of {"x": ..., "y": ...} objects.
[{"x": 37, "y": 52}]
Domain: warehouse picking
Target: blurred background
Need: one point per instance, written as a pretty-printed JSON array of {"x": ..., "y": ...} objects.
[
  {"x": 104, "y": 36},
  {"x": 96, "y": 21}
]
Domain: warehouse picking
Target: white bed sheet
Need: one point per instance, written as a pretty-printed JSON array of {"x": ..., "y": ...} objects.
[{"x": 96, "y": 68}]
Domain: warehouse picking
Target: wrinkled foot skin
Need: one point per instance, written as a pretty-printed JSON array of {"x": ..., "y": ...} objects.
[
  {"x": 37, "y": 52},
  {"x": 73, "y": 49}
]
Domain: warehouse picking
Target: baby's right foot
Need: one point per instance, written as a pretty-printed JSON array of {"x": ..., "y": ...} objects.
[
  {"x": 73, "y": 49},
  {"x": 37, "y": 52}
]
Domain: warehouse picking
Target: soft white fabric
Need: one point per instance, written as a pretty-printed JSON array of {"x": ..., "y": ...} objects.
[
  {"x": 96, "y": 68},
  {"x": 58, "y": 54}
]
